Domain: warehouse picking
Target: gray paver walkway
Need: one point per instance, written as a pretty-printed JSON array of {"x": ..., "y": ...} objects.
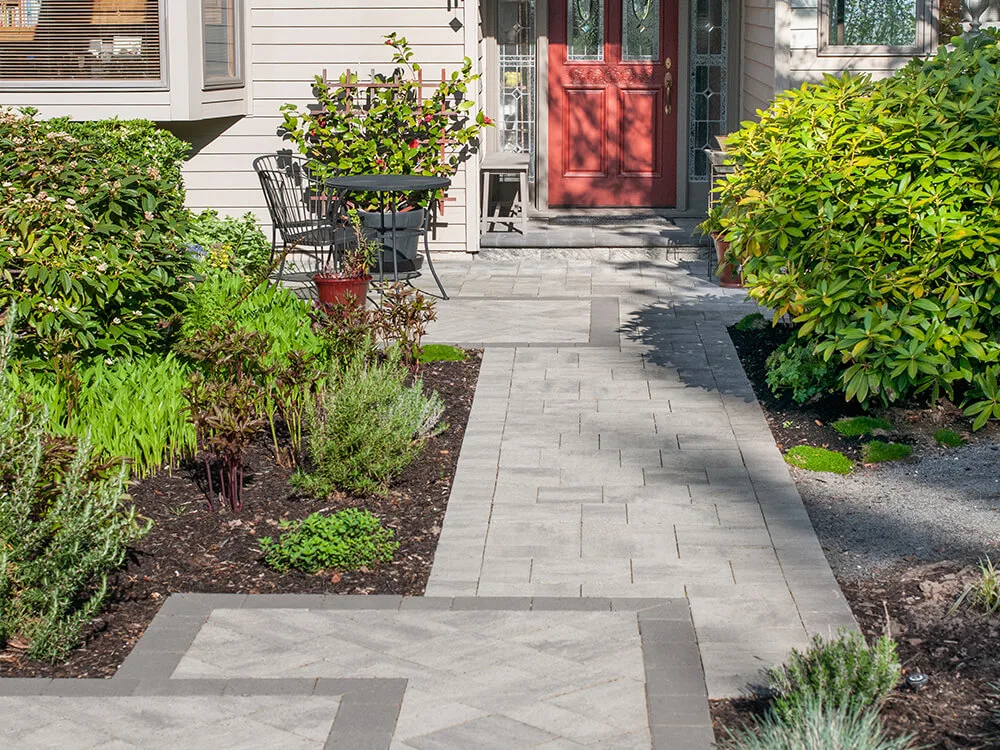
[{"x": 622, "y": 541}]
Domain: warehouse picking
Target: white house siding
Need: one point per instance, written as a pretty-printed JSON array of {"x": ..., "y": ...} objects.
[
  {"x": 289, "y": 42},
  {"x": 757, "y": 79}
]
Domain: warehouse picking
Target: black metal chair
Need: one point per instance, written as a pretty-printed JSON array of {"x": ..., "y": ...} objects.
[{"x": 303, "y": 212}]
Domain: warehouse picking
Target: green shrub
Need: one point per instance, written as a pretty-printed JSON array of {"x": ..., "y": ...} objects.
[
  {"x": 132, "y": 409},
  {"x": 869, "y": 211},
  {"x": 368, "y": 427},
  {"x": 441, "y": 353},
  {"x": 877, "y": 452},
  {"x": 819, "y": 459},
  {"x": 984, "y": 593},
  {"x": 751, "y": 322},
  {"x": 843, "y": 673},
  {"x": 90, "y": 250},
  {"x": 819, "y": 728},
  {"x": 860, "y": 426},
  {"x": 347, "y": 540},
  {"x": 948, "y": 438},
  {"x": 230, "y": 242},
  {"x": 793, "y": 367},
  {"x": 63, "y": 528}
]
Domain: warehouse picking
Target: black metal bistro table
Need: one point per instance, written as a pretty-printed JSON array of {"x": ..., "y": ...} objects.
[{"x": 390, "y": 189}]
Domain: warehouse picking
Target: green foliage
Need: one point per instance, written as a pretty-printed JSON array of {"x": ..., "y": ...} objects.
[
  {"x": 984, "y": 593},
  {"x": 90, "y": 232},
  {"x": 230, "y": 242},
  {"x": 877, "y": 452},
  {"x": 842, "y": 673},
  {"x": 132, "y": 409},
  {"x": 63, "y": 528},
  {"x": 948, "y": 438},
  {"x": 347, "y": 540},
  {"x": 869, "y": 211},
  {"x": 794, "y": 367},
  {"x": 819, "y": 727},
  {"x": 819, "y": 459},
  {"x": 751, "y": 322},
  {"x": 401, "y": 320},
  {"x": 441, "y": 353},
  {"x": 368, "y": 427},
  {"x": 398, "y": 128},
  {"x": 860, "y": 426}
]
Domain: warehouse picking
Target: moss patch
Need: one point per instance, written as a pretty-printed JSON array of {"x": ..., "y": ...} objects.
[
  {"x": 860, "y": 426},
  {"x": 876, "y": 451},
  {"x": 751, "y": 322},
  {"x": 949, "y": 438},
  {"x": 441, "y": 353},
  {"x": 819, "y": 459}
]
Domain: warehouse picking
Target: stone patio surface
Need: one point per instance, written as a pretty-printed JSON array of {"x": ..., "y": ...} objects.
[{"x": 622, "y": 541}]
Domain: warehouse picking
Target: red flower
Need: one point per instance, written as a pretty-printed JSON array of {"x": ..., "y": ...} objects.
[
  {"x": 487, "y": 120},
  {"x": 414, "y": 143}
]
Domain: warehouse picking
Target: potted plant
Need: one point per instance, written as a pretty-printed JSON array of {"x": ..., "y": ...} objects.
[
  {"x": 346, "y": 280},
  {"x": 397, "y": 124}
]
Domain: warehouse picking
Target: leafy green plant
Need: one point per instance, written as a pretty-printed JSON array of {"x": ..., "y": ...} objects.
[
  {"x": 869, "y": 211},
  {"x": 230, "y": 242},
  {"x": 819, "y": 727},
  {"x": 292, "y": 385},
  {"x": 401, "y": 320},
  {"x": 860, "y": 426},
  {"x": 819, "y": 459},
  {"x": 948, "y": 438},
  {"x": 90, "y": 251},
  {"x": 368, "y": 426},
  {"x": 441, "y": 353},
  {"x": 794, "y": 367},
  {"x": 844, "y": 673},
  {"x": 132, "y": 409},
  {"x": 751, "y": 322},
  {"x": 397, "y": 126},
  {"x": 64, "y": 526},
  {"x": 877, "y": 452},
  {"x": 346, "y": 540},
  {"x": 984, "y": 593}
]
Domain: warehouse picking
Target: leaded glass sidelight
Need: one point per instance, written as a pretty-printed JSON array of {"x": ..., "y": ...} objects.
[
  {"x": 640, "y": 29},
  {"x": 586, "y": 29},
  {"x": 890, "y": 23},
  {"x": 516, "y": 49},
  {"x": 709, "y": 82}
]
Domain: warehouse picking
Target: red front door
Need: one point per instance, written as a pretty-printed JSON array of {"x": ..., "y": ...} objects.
[{"x": 612, "y": 118}]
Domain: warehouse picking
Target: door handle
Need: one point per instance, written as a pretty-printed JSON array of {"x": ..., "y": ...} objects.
[{"x": 668, "y": 87}]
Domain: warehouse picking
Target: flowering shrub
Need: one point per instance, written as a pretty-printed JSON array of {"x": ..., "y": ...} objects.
[
  {"x": 90, "y": 253},
  {"x": 388, "y": 129}
]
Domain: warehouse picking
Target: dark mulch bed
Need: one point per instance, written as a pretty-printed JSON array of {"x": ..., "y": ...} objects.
[
  {"x": 958, "y": 651},
  {"x": 192, "y": 549}
]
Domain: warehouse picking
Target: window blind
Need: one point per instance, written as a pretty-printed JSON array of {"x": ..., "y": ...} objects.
[{"x": 60, "y": 41}]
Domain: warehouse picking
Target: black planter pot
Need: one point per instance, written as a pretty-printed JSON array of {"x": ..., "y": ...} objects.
[{"x": 406, "y": 240}]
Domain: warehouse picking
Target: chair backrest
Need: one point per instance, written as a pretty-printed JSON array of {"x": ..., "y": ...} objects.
[{"x": 298, "y": 202}]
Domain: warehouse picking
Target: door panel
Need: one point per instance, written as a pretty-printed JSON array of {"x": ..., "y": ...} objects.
[{"x": 612, "y": 120}]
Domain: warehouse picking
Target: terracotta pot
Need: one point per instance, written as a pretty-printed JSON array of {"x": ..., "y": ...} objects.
[
  {"x": 729, "y": 277},
  {"x": 334, "y": 289}
]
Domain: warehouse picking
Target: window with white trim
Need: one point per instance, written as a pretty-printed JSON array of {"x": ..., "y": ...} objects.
[
  {"x": 223, "y": 35},
  {"x": 888, "y": 27},
  {"x": 88, "y": 43}
]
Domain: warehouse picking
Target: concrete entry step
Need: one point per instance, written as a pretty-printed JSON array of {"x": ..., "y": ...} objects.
[{"x": 599, "y": 230}]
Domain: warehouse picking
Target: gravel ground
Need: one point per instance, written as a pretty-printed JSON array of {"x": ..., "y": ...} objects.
[{"x": 943, "y": 506}]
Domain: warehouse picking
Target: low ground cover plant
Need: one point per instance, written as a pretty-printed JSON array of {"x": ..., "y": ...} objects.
[
  {"x": 869, "y": 212},
  {"x": 795, "y": 368},
  {"x": 367, "y": 426},
  {"x": 346, "y": 540},
  {"x": 228, "y": 242},
  {"x": 861, "y": 426},
  {"x": 841, "y": 673},
  {"x": 64, "y": 526},
  {"x": 819, "y": 459},
  {"x": 877, "y": 451},
  {"x": 819, "y": 727},
  {"x": 948, "y": 438},
  {"x": 90, "y": 237},
  {"x": 441, "y": 353}
]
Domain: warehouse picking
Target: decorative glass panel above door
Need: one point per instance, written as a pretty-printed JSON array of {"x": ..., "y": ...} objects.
[
  {"x": 891, "y": 23},
  {"x": 586, "y": 29},
  {"x": 640, "y": 29}
]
